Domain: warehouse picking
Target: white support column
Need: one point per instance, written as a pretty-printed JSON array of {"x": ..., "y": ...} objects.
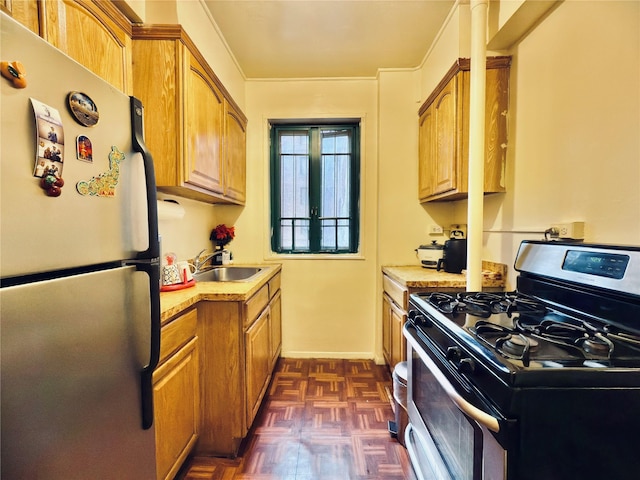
[{"x": 478, "y": 81}]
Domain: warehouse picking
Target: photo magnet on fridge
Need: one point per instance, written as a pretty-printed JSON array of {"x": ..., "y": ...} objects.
[{"x": 49, "y": 139}]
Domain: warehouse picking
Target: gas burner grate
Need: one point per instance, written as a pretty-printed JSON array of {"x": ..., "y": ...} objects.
[
  {"x": 598, "y": 341},
  {"x": 484, "y": 304},
  {"x": 506, "y": 341}
]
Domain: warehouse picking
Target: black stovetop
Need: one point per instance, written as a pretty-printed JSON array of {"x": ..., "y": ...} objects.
[
  {"x": 525, "y": 342},
  {"x": 520, "y": 327}
]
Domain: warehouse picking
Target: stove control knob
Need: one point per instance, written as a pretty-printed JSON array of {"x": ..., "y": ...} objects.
[
  {"x": 467, "y": 365},
  {"x": 422, "y": 321},
  {"x": 454, "y": 354},
  {"x": 419, "y": 319}
]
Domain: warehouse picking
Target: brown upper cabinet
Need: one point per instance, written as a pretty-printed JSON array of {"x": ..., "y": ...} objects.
[
  {"x": 193, "y": 128},
  {"x": 94, "y": 33},
  {"x": 443, "y": 156},
  {"x": 24, "y": 11},
  {"x": 235, "y": 152}
]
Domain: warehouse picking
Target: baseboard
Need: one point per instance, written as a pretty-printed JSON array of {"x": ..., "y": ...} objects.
[{"x": 336, "y": 355}]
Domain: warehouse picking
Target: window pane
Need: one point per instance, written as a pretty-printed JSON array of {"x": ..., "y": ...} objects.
[
  {"x": 294, "y": 168},
  {"x": 336, "y": 141},
  {"x": 294, "y": 234},
  {"x": 328, "y": 239},
  {"x": 343, "y": 233},
  {"x": 294, "y": 142},
  {"x": 336, "y": 170},
  {"x": 335, "y": 234},
  {"x": 301, "y": 235}
]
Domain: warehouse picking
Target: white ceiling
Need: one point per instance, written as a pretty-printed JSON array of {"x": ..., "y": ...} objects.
[{"x": 327, "y": 38}]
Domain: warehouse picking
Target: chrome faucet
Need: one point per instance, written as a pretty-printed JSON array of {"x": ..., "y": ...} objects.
[{"x": 200, "y": 263}]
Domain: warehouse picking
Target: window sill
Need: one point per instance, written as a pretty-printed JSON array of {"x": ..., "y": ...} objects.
[{"x": 314, "y": 256}]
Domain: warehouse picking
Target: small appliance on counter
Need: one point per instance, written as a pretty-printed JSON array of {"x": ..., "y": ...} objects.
[
  {"x": 221, "y": 257},
  {"x": 430, "y": 255},
  {"x": 454, "y": 258},
  {"x": 176, "y": 275}
]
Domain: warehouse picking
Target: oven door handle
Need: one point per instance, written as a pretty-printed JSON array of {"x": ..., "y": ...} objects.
[{"x": 467, "y": 408}]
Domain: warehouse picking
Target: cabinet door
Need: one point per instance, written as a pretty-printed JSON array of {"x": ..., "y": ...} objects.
[
  {"x": 445, "y": 139},
  {"x": 23, "y": 11},
  {"x": 386, "y": 329},
  {"x": 175, "y": 396},
  {"x": 426, "y": 154},
  {"x": 398, "y": 343},
  {"x": 203, "y": 128},
  {"x": 497, "y": 106},
  {"x": 258, "y": 363},
  {"x": 159, "y": 89},
  {"x": 276, "y": 328},
  {"x": 235, "y": 156},
  {"x": 95, "y": 34}
]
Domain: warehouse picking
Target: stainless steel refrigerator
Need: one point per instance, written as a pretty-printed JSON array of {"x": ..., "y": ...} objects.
[{"x": 79, "y": 296}]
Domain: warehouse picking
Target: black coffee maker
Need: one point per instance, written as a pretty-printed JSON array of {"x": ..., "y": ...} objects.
[{"x": 454, "y": 256}]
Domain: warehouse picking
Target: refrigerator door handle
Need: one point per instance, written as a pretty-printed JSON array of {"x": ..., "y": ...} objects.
[
  {"x": 137, "y": 136},
  {"x": 146, "y": 375},
  {"x": 152, "y": 256}
]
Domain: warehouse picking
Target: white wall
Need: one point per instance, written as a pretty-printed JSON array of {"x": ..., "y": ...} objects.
[
  {"x": 328, "y": 302},
  {"x": 402, "y": 222},
  {"x": 574, "y": 139}
]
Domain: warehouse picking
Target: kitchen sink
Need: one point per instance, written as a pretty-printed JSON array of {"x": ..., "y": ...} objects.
[{"x": 227, "y": 274}]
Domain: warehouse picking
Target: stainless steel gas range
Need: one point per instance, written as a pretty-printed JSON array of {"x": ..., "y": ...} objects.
[{"x": 542, "y": 383}]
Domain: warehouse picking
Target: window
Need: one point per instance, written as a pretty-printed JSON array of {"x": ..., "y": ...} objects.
[{"x": 315, "y": 180}]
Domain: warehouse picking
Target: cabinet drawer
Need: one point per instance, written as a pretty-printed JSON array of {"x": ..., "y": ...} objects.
[
  {"x": 274, "y": 285},
  {"x": 177, "y": 333},
  {"x": 398, "y": 293},
  {"x": 256, "y": 304}
]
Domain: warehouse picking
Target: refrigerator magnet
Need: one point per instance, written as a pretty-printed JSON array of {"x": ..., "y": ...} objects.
[
  {"x": 15, "y": 72},
  {"x": 84, "y": 149},
  {"x": 104, "y": 184},
  {"x": 49, "y": 147},
  {"x": 83, "y": 109}
]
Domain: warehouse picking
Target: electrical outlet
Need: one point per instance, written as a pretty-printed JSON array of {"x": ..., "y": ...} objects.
[
  {"x": 435, "y": 230},
  {"x": 460, "y": 227},
  {"x": 572, "y": 230}
]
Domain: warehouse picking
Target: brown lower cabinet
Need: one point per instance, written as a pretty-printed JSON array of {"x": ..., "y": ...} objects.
[
  {"x": 176, "y": 394},
  {"x": 240, "y": 345},
  {"x": 395, "y": 305},
  {"x": 216, "y": 362}
]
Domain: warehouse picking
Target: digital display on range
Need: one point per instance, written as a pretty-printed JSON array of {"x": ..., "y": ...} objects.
[{"x": 608, "y": 265}]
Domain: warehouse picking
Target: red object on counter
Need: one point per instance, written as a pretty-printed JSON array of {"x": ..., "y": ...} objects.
[{"x": 177, "y": 286}]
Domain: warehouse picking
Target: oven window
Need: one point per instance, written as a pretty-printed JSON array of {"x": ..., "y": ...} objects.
[{"x": 458, "y": 440}]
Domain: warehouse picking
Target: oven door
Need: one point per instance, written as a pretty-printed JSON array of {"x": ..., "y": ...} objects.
[{"x": 448, "y": 437}]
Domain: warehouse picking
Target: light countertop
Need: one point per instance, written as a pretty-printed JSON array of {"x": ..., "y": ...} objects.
[
  {"x": 172, "y": 303},
  {"x": 416, "y": 276}
]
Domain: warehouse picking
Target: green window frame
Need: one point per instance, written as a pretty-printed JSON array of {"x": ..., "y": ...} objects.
[{"x": 315, "y": 187}]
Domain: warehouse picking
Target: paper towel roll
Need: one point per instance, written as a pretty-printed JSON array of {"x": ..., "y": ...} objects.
[{"x": 170, "y": 210}]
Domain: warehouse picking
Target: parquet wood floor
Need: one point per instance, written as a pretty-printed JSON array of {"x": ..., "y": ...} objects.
[{"x": 321, "y": 420}]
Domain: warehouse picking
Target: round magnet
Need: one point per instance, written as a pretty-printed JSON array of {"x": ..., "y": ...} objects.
[{"x": 83, "y": 109}]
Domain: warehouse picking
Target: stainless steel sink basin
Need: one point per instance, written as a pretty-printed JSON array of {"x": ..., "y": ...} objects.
[{"x": 227, "y": 274}]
